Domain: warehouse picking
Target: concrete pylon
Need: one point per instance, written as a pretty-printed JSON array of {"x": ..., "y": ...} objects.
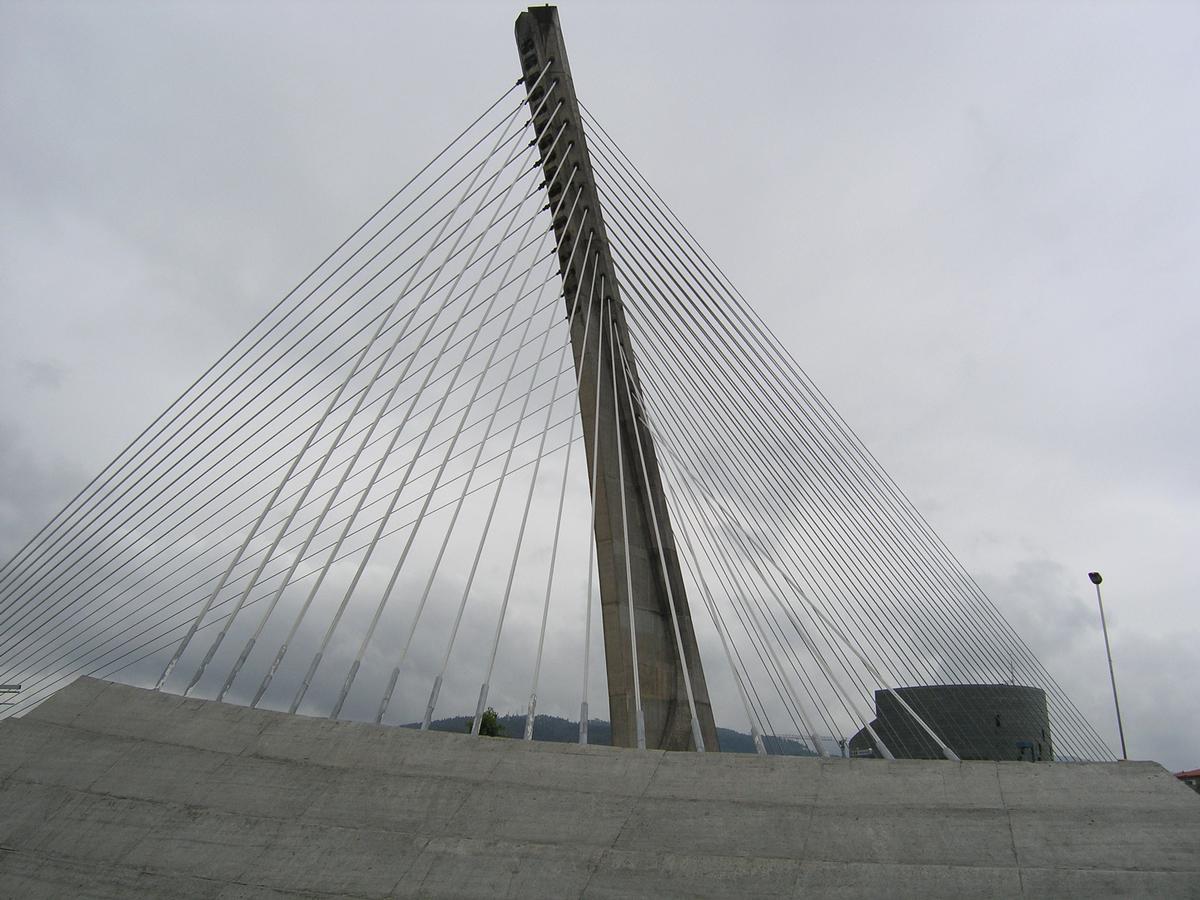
[{"x": 663, "y": 691}]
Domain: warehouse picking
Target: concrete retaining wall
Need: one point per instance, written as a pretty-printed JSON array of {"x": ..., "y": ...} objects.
[{"x": 112, "y": 791}]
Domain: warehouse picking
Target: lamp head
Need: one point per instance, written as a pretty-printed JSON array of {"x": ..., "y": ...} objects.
[{"x": 1095, "y": 576}]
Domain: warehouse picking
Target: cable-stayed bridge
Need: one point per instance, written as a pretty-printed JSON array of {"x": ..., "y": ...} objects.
[{"x": 519, "y": 442}]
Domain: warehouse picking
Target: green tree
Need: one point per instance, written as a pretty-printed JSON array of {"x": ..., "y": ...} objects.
[{"x": 489, "y": 724}]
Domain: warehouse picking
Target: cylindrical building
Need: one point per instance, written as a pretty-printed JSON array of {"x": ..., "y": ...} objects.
[{"x": 977, "y": 721}]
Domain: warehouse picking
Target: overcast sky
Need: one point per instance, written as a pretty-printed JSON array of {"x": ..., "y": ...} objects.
[{"x": 976, "y": 225}]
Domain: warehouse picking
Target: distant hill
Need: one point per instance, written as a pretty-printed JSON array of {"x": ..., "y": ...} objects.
[{"x": 566, "y": 731}]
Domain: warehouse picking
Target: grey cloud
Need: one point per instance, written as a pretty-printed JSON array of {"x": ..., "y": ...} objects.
[{"x": 975, "y": 227}]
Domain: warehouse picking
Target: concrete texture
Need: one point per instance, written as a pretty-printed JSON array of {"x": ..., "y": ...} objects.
[{"x": 113, "y": 791}]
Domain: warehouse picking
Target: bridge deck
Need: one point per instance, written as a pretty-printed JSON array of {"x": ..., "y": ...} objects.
[{"x": 108, "y": 790}]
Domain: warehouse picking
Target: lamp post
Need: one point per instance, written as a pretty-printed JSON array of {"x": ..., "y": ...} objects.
[{"x": 1096, "y": 579}]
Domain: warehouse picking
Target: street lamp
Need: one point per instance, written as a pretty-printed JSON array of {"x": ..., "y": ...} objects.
[{"x": 1096, "y": 579}]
